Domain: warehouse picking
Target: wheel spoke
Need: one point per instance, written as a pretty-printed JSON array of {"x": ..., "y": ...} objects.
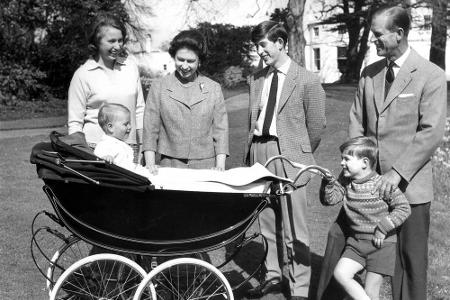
[
  {"x": 186, "y": 279},
  {"x": 103, "y": 276}
]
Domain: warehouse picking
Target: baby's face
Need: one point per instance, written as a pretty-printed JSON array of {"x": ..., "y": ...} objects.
[{"x": 121, "y": 126}]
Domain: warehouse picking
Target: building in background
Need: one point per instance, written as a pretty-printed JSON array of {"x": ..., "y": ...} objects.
[{"x": 325, "y": 52}]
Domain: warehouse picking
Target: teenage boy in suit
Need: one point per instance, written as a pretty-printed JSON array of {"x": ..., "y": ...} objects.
[{"x": 287, "y": 117}]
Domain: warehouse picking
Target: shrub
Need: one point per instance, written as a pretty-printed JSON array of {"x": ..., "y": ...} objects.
[
  {"x": 21, "y": 83},
  {"x": 228, "y": 45}
]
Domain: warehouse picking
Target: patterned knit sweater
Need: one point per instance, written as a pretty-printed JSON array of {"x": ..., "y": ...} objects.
[{"x": 366, "y": 211}]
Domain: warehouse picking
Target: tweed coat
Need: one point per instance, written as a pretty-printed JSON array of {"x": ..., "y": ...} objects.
[
  {"x": 191, "y": 125},
  {"x": 408, "y": 125},
  {"x": 300, "y": 116}
]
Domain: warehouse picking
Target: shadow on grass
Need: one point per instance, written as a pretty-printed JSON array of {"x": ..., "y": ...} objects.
[{"x": 248, "y": 260}]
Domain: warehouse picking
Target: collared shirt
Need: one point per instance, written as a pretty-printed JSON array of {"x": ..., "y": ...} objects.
[
  {"x": 398, "y": 63},
  {"x": 282, "y": 72},
  {"x": 92, "y": 85},
  {"x": 121, "y": 152}
]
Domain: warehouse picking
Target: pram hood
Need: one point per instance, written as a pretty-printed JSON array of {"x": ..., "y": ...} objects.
[{"x": 73, "y": 151}]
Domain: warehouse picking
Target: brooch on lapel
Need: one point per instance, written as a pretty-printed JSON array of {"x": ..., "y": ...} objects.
[{"x": 201, "y": 84}]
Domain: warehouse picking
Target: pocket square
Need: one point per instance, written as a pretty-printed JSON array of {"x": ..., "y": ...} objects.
[{"x": 405, "y": 95}]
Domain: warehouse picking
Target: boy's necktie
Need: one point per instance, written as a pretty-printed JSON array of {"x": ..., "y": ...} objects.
[{"x": 270, "y": 104}]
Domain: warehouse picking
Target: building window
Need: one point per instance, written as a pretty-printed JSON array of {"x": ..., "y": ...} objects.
[
  {"x": 426, "y": 22},
  {"x": 316, "y": 31},
  {"x": 317, "y": 58},
  {"x": 341, "y": 58}
]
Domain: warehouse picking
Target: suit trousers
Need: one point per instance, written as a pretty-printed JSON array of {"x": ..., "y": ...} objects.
[
  {"x": 410, "y": 278},
  {"x": 284, "y": 222}
]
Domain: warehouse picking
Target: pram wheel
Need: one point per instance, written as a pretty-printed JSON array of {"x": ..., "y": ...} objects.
[
  {"x": 101, "y": 276},
  {"x": 70, "y": 252},
  {"x": 184, "y": 278}
]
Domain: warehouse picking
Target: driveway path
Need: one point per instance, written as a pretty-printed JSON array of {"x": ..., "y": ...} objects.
[{"x": 43, "y": 126}]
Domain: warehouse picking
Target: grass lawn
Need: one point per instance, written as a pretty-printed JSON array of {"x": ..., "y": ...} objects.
[
  {"x": 22, "y": 197},
  {"x": 58, "y": 107}
]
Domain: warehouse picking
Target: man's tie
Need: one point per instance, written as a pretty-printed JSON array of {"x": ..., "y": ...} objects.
[
  {"x": 389, "y": 78},
  {"x": 270, "y": 104}
]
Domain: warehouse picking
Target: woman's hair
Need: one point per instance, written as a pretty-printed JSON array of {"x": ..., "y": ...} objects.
[
  {"x": 360, "y": 147},
  {"x": 108, "y": 113},
  {"x": 272, "y": 29},
  {"x": 95, "y": 29},
  {"x": 190, "y": 39}
]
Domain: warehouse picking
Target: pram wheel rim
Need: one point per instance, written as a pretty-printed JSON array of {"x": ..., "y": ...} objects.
[
  {"x": 106, "y": 258},
  {"x": 224, "y": 288}
]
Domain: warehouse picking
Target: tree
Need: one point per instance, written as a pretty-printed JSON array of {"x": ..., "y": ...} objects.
[
  {"x": 227, "y": 45},
  {"x": 353, "y": 16},
  {"x": 46, "y": 40},
  {"x": 439, "y": 32},
  {"x": 296, "y": 38}
]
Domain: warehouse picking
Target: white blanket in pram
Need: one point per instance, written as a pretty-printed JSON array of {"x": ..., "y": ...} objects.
[{"x": 237, "y": 180}]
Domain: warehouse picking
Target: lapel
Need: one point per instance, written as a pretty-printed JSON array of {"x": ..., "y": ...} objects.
[
  {"x": 378, "y": 86},
  {"x": 177, "y": 92},
  {"x": 402, "y": 79},
  {"x": 289, "y": 85}
]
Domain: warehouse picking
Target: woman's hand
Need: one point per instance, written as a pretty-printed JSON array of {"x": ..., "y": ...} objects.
[
  {"x": 220, "y": 162},
  {"x": 150, "y": 162},
  {"x": 153, "y": 169},
  {"x": 218, "y": 168}
]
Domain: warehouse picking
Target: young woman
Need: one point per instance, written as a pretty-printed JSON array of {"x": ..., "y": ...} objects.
[{"x": 106, "y": 77}]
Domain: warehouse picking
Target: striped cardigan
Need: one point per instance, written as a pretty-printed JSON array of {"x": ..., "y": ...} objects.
[{"x": 366, "y": 211}]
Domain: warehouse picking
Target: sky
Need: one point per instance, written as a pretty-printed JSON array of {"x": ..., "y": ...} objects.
[{"x": 171, "y": 16}]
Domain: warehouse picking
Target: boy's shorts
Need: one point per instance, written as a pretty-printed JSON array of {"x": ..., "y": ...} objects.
[{"x": 373, "y": 259}]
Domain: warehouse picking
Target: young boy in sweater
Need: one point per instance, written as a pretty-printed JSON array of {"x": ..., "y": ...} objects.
[{"x": 372, "y": 219}]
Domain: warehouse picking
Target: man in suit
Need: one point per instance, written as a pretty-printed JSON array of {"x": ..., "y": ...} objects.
[
  {"x": 401, "y": 101},
  {"x": 287, "y": 117}
]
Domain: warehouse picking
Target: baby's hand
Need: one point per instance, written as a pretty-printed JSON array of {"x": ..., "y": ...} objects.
[
  {"x": 153, "y": 169},
  {"x": 108, "y": 158},
  {"x": 378, "y": 238}
]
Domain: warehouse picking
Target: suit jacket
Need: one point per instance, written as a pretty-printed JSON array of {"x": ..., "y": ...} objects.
[
  {"x": 300, "y": 116},
  {"x": 186, "y": 123},
  {"x": 408, "y": 124}
]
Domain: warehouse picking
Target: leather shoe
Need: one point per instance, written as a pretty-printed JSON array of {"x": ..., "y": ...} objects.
[
  {"x": 298, "y": 298},
  {"x": 271, "y": 286}
]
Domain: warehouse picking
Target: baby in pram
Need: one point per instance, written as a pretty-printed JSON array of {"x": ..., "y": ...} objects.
[{"x": 115, "y": 121}]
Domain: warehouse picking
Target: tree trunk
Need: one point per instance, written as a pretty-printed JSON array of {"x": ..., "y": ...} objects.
[
  {"x": 296, "y": 39},
  {"x": 438, "y": 32},
  {"x": 357, "y": 43}
]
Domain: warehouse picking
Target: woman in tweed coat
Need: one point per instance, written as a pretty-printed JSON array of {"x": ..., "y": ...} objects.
[{"x": 185, "y": 118}]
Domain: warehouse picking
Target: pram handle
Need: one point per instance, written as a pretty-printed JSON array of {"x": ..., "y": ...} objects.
[{"x": 318, "y": 170}]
